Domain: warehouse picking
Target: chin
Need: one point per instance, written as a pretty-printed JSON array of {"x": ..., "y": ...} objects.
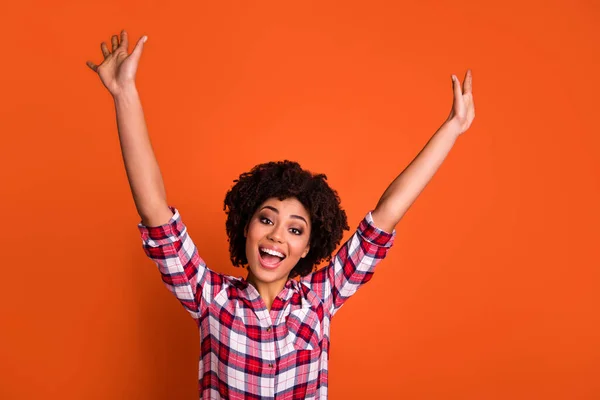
[
  {"x": 269, "y": 276},
  {"x": 266, "y": 278}
]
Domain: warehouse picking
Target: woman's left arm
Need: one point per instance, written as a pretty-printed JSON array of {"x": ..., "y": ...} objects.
[{"x": 404, "y": 190}]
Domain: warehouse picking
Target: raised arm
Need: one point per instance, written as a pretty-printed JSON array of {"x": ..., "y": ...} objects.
[
  {"x": 165, "y": 237},
  {"x": 407, "y": 186},
  {"x": 117, "y": 73},
  {"x": 143, "y": 172},
  {"x": 354, "y": 263}
]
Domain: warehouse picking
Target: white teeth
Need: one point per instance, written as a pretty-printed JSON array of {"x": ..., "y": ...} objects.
[{"x": 273, "y": 252}]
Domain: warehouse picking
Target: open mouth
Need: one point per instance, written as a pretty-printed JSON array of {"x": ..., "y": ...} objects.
[{"x": 270, "y": 258}]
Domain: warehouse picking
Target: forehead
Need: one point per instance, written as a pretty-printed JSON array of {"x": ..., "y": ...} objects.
[{"x": 289, "y": 206}]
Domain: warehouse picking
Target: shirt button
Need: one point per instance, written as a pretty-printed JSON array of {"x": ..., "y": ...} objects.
[
  {"x": 271, "y": 365},
  {"x": 269, "y": 329}
]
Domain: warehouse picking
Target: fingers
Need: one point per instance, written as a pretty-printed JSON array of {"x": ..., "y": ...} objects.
[
  {"x": 104, "y": 49},
  {"x": 125, "y": 41},
  {"x": 456, "y": 87},
  {"x": 93, "y": 66},
  {"x": 115, "y": 45},
  {"x": 115, "y": 42},
  {"x": 468, "y": 83}
]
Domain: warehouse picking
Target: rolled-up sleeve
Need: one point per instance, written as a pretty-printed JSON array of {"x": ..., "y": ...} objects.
[
  {"x": 183, "y": 272},
  {"x": 352, "y": 266}
]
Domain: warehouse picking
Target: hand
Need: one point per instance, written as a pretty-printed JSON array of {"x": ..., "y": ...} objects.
[
  {"x": 118, "y": 69},
  {"x": 463, "y": 108}
]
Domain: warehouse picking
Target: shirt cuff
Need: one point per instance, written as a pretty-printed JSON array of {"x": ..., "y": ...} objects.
[
  {"x": 168, "y": 232},
  {"x": 373, "y": 234}
]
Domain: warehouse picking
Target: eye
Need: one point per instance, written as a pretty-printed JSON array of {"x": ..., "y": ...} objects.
[
  {"x": 297, "y": 230},
  {"x": 261, "y": 219}
]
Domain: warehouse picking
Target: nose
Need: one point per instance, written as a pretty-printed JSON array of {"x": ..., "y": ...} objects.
[{"x": 275, "y": 233}]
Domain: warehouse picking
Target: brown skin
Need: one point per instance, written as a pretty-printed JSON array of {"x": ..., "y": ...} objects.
[
  {"x": 278, "y": 229},
  {"x": 117, "y": 72},
  {"x": 118, "y": 69}
]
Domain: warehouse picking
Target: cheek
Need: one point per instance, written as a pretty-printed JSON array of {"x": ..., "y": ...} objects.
[
  {"x": 253, "y": 236},
  {"x": 298, "y": 247},
  {"x": 251, "y": 229}
]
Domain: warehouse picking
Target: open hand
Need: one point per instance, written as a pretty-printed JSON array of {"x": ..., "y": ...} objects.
[
  {"x": 118, "y": 69},
  {"x": 463, "y": 108}
]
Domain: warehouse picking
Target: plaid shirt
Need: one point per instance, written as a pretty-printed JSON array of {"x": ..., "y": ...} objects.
[{"x": 247, "y": 352}]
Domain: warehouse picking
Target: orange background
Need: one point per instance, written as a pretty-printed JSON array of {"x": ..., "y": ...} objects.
[{"x": 491, "y": 290}]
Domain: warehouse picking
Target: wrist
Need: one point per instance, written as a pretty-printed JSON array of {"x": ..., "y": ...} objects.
[
  {"x": 452, "y": 127},
  {"x": 125, "y": 93}
]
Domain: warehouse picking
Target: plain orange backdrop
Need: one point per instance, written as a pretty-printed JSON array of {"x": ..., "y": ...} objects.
[{"x": 492, "y": 289}]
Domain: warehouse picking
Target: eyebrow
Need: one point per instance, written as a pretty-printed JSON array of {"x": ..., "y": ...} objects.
[{"x": 277, "y": 211}]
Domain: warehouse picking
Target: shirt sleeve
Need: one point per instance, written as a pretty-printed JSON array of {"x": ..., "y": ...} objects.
[
  {"x": 183, "y": 272},
  {"x": 352, "y": 266}
]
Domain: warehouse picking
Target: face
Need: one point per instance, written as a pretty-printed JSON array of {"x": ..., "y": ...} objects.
[{"x": 282, "y": 228}]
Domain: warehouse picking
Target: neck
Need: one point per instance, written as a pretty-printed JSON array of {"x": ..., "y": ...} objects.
[{"x": 267, "y": 290}]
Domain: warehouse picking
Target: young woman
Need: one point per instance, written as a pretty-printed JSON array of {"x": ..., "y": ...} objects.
[{"x": 266, "y": 336}]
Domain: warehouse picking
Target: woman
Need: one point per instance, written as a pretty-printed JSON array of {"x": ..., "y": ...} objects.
[{"x": 267, "y": 335}]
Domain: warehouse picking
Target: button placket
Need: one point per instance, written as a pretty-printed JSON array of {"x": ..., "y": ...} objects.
[{"x": 271, "y": 365}]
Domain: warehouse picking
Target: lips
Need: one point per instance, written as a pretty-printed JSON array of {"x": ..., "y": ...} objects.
[
  {"x": 271, "y": 249},
  {"x": 269, "y": 264}
]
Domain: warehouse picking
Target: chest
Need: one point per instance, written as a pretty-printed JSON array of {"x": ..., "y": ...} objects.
[{"x": 248, "y": 327}]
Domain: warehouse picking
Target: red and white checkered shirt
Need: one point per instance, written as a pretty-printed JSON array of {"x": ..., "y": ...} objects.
[{"x": 247, "y": 352}]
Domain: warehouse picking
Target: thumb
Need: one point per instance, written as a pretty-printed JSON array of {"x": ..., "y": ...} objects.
[
  {"x": 456, "y": 87},
  {"x": 137, "y": 51}
]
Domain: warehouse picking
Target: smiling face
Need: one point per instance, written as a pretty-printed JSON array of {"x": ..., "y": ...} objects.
[{"x": 277, "y": 237}]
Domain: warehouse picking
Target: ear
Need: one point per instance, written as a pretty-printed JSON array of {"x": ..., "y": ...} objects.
[{"x": 305, "y": 251}]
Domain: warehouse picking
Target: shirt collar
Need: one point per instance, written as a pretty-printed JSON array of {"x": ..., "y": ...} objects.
[{"x": 242, "y": 283}]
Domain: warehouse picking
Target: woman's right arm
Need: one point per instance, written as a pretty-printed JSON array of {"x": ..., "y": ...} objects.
[
  {"x": 165, "y": 238},
  {"x": 117, "y": 73},
  {"x": 143, "y": 172}
]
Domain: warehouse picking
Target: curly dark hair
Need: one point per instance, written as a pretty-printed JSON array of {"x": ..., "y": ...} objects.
[{"x": 282, "y": 180}]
